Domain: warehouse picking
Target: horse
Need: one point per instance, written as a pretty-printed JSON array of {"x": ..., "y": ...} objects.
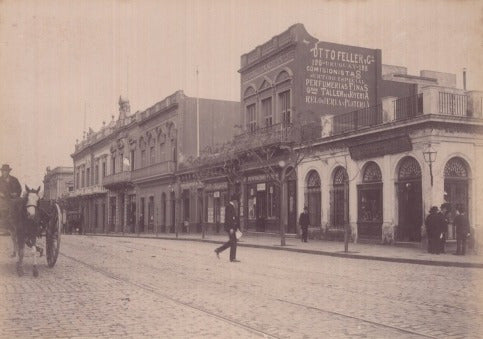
[{"x": 30, "y": 217}]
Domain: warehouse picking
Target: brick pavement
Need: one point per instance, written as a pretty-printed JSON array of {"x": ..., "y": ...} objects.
[{"x": 107, "y": 286}]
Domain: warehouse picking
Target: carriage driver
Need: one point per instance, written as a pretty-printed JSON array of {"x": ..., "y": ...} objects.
[{"x": 10, "y": 191}]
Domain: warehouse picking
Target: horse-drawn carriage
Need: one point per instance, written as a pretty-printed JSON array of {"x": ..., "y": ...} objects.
[{"x": 33, "y": 222}]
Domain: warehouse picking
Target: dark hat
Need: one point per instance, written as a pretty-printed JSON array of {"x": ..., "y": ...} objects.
[
  {"x": 446, "y": 206},
  {"x": 433, "y": 209},
  {"x": 6, "y": 167}
]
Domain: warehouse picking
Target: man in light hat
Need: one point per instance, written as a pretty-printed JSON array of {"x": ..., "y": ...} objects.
[{"x": 10, "y": 191}]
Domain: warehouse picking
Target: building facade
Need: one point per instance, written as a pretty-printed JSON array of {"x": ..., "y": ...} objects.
[
  {"x": 384, "y": 146},
  {"x": 125, "y": 173},
  {"x": 58, "y": 183}
]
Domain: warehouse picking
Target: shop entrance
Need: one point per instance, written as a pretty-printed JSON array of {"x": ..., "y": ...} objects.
[
  {"x": 456, "y": 182},
  {"x": 410, "y": 201},
  {"x": 369, "y": 221}
]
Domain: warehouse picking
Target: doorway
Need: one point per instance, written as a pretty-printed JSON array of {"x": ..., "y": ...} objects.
[{"x": 410, "y": 201}]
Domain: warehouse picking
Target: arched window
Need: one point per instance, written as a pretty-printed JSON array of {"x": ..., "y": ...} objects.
[
  {"x": 409, "y": 169},
  {"x": 369, "y": 223},
  {"x": 456, "y": 188},
  {"x": 372, "y": 173},
  {"x": 409, "y": 201},
  {"x": 313, "y": 197},
  {"x": 455, "y": 168},
  {"x": 249, "y": 92},
  {"x": 339, "y": 198}
]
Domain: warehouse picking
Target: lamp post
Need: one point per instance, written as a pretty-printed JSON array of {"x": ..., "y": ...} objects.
[{"x": 429, "y": 154}]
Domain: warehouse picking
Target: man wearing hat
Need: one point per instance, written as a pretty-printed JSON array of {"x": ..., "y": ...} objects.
[
  {"x": 231, "y": 225},
  {"x": 304, "y": 223},
  {"x": 10, "y": 191}
]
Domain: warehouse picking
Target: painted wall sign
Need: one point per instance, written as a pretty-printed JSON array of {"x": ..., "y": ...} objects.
[
  {"x": 261, "y": 187},
  {"x": 381, "y": 147},
  {"x": 339, "y": 76},
  {"x": 216, "y": 194}
]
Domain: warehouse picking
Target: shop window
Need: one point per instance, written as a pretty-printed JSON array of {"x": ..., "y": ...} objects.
[
  {"x": 313, "y": 198},
  {"x": 370, "y": 202},
  {"x": 251, "y": 204},
  {"x": 339, "y": 198}
]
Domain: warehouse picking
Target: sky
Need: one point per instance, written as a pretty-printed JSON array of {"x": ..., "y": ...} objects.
[{"x": 64, "y": 64}]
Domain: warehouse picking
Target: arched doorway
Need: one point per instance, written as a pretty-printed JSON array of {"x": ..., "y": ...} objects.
[
  {"x": 410, "y": 201},
  {"x": 369, "y": 216},
  {"x": 456, "y": 179},
  {"x": 339, "y": 198},
  {"x": 313, "y": 197}
]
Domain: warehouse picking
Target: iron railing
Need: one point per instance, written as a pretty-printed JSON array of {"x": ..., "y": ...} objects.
[
  {"x": 408, "y": 107},
  {"x": 356, "y": 120},
  {"x": 453, "y": 104}
]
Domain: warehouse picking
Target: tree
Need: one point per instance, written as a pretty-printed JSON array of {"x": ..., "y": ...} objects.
[{"x": 278, "y": 150}]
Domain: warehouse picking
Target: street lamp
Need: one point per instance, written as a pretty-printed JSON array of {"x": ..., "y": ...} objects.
[{"x": 429, "y": 154}]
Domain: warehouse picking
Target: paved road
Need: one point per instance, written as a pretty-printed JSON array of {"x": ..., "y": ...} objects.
[{"x": 111, "y": 287}]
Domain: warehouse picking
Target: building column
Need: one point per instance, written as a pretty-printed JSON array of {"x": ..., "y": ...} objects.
[{"x": 353, "y": 173}]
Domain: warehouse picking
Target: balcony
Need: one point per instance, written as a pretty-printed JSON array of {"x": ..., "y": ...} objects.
[
  {"x": 443, "y": 103},
  {"x": 154, "y": 171},
  {"x": 357, "y": 120},
  {"x": 270, "y": 135},
  {"x": 117, "y": 180}
]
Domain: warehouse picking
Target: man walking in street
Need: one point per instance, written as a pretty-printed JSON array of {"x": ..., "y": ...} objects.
[
  {"x": 462, "y": 230},
  {"x": 10, "y": 191},
  {"x": 304, "y": 223},
  {"x": 231, "y": 225}
]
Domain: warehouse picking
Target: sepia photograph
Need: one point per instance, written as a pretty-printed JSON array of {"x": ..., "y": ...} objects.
[{"x": 241, "y": 169}]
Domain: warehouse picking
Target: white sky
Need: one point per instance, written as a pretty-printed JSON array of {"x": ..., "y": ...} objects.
[{"x": 61, "y": 58}]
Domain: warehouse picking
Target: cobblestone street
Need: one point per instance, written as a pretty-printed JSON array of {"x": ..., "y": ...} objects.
[{"x": 112, "y": 287}]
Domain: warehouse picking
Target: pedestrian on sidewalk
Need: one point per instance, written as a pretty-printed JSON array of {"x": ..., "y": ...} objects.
[
  {"x": 443, "y": 225},
  {"x": 304, "y": 223},
  {"x": 231, "y": 225},
  {"x": 462, "y": 230},
  {"x": 432, "y": 226}
]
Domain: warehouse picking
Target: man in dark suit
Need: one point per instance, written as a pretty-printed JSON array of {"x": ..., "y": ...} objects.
[
  {"x": 304, "y": 223},
  {"x": 462, "y": 230},
  {"x": 231, "y": 225},
  {"x": 10, "y": 191}
]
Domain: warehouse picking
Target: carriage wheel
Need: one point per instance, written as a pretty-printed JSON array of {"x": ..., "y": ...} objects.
[{"x": 52, "y": 237}]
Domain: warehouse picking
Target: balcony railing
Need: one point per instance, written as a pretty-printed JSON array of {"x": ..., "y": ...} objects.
[
  {"x": 409, "y": 107},
  {"x": 273, "y": 134},
  {"x": 453, "y": 104},
  {"x": 117, "y": 179},
  {"x": 165, "y": 167},
  {"x": 356, "y": 120}
]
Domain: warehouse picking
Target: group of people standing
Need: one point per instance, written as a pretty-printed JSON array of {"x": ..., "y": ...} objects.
[{"x": 437, "y": 228}]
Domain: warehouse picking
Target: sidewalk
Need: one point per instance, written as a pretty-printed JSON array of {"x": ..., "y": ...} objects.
[{"x": 331, "y": 248}]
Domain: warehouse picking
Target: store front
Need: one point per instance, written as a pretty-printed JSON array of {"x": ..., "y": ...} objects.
[
  {"x": 456, "y": 183},
  {"x": 313, "y": 198},
  {"x": 410, "y": 201},
  {"x": 369, "y": 221},
  {"x": 339, "y": 198}
]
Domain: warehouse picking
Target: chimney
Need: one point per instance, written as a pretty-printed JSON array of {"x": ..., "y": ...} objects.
[{"x": 464, "y": 79}]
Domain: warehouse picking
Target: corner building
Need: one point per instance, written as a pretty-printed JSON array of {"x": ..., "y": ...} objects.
[{"x": 365, "y": 168}]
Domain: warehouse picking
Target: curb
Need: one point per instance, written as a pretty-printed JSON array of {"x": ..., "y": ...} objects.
[{"x": 316, "y": 252}]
